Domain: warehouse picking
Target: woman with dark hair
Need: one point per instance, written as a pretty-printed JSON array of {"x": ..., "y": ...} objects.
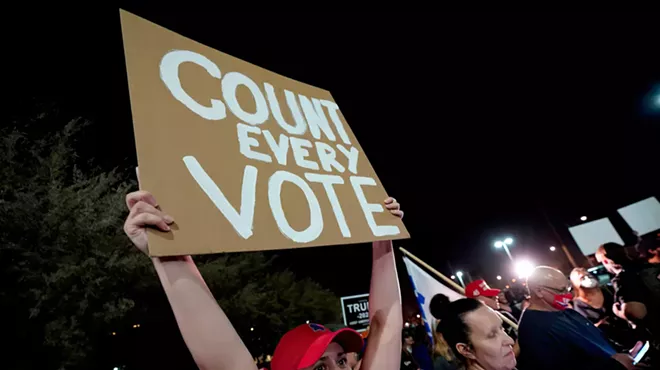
[
  {"x": 408, "y": 361},
  {"x": 474, "y": 332}
]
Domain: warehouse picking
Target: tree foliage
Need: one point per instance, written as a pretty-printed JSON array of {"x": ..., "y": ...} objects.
[{"x": 70, "y": 276}]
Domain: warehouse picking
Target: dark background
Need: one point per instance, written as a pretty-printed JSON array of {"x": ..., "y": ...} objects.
[{"x": 481, "y": 125}]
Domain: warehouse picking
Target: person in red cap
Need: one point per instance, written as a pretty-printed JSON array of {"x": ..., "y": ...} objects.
[
  {"x": 213, "y": 341},
  {"x": 480, "y": 291},
  {"x": 312, "y": 346}
]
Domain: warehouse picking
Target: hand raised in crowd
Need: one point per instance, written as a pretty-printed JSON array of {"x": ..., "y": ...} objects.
[
  {"x": 394, "y": 207},
  {"x": 144, "y": 212}
]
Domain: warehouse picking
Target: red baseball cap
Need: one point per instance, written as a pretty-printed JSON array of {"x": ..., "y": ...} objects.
[
  {"x": 480, "y": 288},
  {"x": 302, "y": 346}
]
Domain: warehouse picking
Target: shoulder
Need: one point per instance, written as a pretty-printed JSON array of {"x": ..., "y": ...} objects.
[{"x": 532, "y": 321}]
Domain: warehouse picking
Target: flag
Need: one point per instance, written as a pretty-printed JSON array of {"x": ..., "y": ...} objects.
[{"x": 426, "y": 287}]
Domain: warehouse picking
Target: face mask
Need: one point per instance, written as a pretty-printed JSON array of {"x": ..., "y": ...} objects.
[
  {"x": 589, "y": 282},
  {"x": 561, "y": 301}
]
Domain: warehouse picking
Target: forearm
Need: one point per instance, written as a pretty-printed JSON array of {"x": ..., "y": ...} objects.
[
  {"x": 384, "y": 346},
  {"x": 210, "y": 337}
]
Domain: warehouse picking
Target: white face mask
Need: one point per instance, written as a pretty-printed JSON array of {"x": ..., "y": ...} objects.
[{"x": 589, "y": 282}]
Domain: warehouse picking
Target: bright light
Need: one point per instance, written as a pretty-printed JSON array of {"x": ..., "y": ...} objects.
[
  {"x": 459, "y": 274},
  {"x": 251, "y": 329},
  {"x": 113, "y": 333},
  {"x": 524, "y": 269},
  {"x": 507, "y": 287},
  {"x": 115, "y": 368},
  {"x": 508, "y": 241},
  {"x": 453, "y": 277},
  {"x": 513, "y": 280},
  {"x": 418, "y": 316},
  {"x": 552, "y": 249},
  {"x": 499, "y": 277},
  {"x": 307, "y": 322},
  {"x": 498, "y": 244},
  {"x": 583, "y": 218},
  {"x": 407, "y": 324}
]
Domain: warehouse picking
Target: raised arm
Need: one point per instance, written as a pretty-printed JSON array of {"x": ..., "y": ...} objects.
[
  {"x": 210, "y": 337},
  {"x": 384, "y": 345}
]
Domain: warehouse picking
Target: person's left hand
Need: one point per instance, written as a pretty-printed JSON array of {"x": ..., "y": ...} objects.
[{"x": 394, "y": 207}]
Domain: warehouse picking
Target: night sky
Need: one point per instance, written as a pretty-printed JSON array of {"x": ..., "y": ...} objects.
[{"x": 517, "y": 115}]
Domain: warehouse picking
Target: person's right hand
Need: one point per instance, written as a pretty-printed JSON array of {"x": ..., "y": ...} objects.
[
  {"x": 144, "y": 212},
  {"x": 625, "y": 360}
]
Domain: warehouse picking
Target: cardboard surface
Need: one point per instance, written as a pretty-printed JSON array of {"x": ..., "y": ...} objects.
[{"x": 238, "y": 155}]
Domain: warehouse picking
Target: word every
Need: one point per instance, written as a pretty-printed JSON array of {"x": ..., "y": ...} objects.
[{"x": 312, "y": 117}]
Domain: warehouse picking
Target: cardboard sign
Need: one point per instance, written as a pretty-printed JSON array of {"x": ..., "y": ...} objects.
[
  {"x": 244, "y": 159},
  {"x": 355, "y": 310}
]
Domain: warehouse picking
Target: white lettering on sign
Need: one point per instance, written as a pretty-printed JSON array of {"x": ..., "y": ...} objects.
[
  {"x": 246, "y": 143},
  {"x": 316, "y": 218},
  {"x": 169, "y": 73},
  {"x": 298, "y": 146},
  {"x": 242, "y": 222},
  {"x": 280, "y": 149},
  {"x": 352, "y": 156},
  {"x": 300, "y": 128},
  {"x": 370, "y": 208},
  {"x": 328, "y": 157},
  {"x": 316, "y": 118},
  {"x": 328, "y": 181},
  {"x": 230, "y": 83},
  {"x": 358, "y": 307},
  {"x": 333, "y": 109},
  {"x": 308, "y": 113}
]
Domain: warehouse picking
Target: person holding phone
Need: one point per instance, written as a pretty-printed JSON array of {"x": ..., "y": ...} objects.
[
  {"x": 552, "y": 336},
  {"x": 211, "y": 338}
]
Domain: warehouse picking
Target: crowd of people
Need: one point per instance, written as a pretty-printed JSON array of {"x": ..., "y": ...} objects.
[{"x": 562, "y": 324}]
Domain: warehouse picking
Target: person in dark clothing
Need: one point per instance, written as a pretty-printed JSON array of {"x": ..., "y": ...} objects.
[
  {"x": 443, "y": 356},
  {"x": 633, "y": 300},
  {"x": 408, "y": 361},
  {"x": 553, "y": 337},
  {"x": 595, "y": 304},
  {"x": 505, "y": 300}
]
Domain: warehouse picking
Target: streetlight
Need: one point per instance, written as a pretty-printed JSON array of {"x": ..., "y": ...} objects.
[
  {"x": 419, "y": 316},
  {"x": 251, "y": 329},
  {"x": 504, "y": 244},
  {"x": 552, "y": 248},
  {"x": 583, "y": 218},
  {"x": 524, "y": 269},
  {"x": 459, "y": 274},
  {"x": 453, "y": 277},
  {"x": 499, "y": 277}
]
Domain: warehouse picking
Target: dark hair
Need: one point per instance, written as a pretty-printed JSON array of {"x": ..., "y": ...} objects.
[
  {"x": 617, "y": 253},
  {"x": 452, "y": 322},
  {"x": 437, "y": 304}
]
